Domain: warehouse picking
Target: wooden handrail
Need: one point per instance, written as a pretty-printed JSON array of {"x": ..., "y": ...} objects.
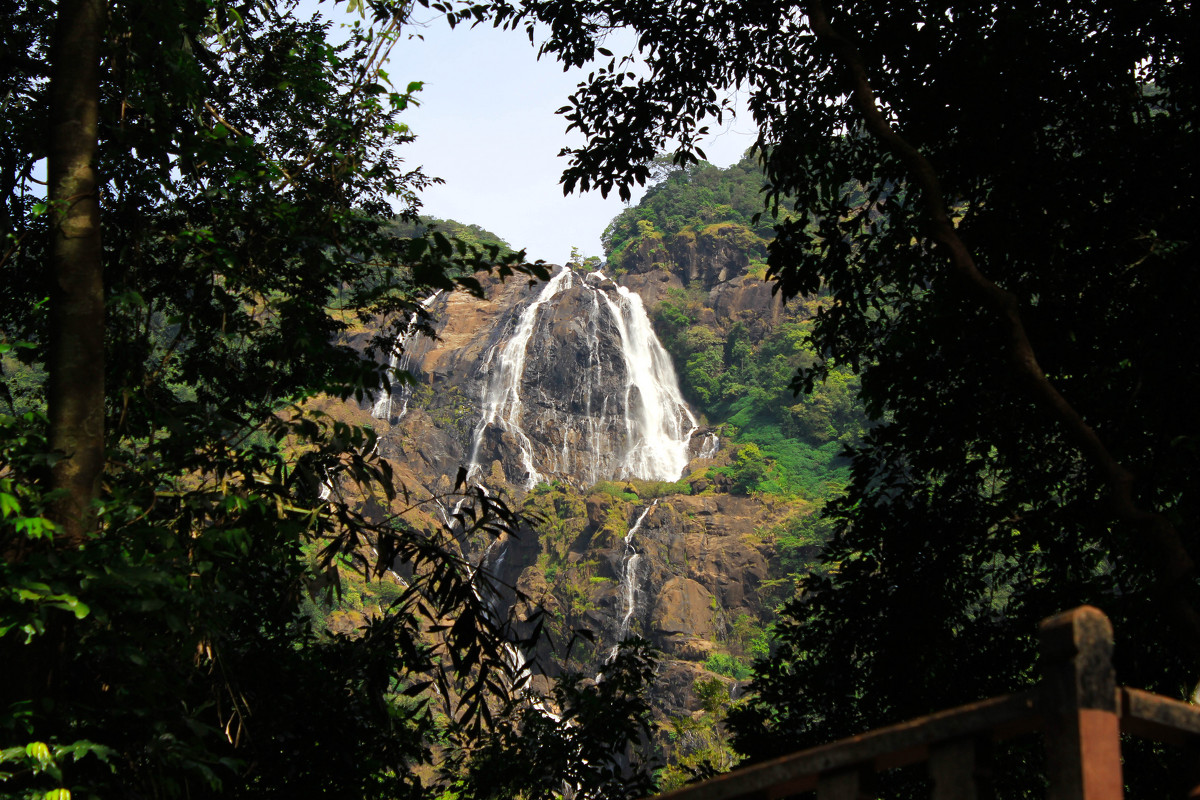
[
  {"x": 1161, "y": 719},
  {"x": 883, "y": 748},
  {"x": 1078, "y": 707}
]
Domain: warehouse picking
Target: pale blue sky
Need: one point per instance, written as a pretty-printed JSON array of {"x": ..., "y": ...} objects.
[{"x": 486, "y": 124}]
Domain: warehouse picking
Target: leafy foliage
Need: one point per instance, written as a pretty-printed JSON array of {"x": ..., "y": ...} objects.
[
  {"x": 698, "y": 745},
  {"x": 249, "y": 168},
  {"x": 689, "y": 199},
  {"x": 997, "y": 200},
  {"x": 598, "y": 745},
  {"x": 746, "y": 386},
  {"x": 730, "y": 666},
  {"x": 471, "y": 235}
]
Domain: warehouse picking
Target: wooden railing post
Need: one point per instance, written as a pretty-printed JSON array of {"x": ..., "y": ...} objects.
[{"x": 1079, "y": 707}]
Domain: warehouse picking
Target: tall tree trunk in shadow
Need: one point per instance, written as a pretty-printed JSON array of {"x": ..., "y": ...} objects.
[
  {"x": 75, "y": 363},
  {"x": 75, "y": 358}
]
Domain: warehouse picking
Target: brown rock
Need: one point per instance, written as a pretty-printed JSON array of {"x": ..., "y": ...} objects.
[{"x": 684, "y": 606}]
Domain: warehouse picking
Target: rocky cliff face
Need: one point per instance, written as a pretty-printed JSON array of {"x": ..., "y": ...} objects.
[
  {"x": 689, "y": 573},
  {"x": 714, "y": 261},
  {"x": 560, "y": 394}
]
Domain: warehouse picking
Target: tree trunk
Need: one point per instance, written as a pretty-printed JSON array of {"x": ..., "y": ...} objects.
[{"x": 75, "y": 363}]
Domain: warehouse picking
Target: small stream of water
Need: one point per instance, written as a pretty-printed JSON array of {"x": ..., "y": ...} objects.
[
  {"x": 399, "y": 361},
  {"x": 631, "y": 559}
]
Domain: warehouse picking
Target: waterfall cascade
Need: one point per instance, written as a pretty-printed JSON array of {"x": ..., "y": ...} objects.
[
  {"x": 655, "y": 414},
  {"x": 501, "y": 401},
  {"x": 400, "y": 360},
  {"x": 580, "y": 386},
  {"x": 630, "y": 561},
  {"x": 561, "y": 386}
]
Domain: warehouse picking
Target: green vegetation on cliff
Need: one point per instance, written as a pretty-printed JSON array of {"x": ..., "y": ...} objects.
[
  {"x": 468, "y": 234},
  {"x": 789, "y": 444},
  {"x": 690, "y": 199}
]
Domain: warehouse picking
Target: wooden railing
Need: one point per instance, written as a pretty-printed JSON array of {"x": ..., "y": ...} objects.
[{"x": 1078, "y": 708}]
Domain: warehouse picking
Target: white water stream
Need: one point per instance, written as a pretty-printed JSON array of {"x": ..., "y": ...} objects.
[
  {"x": 501, "y": 401},
  {"x": 631, "y": 559},
  {"x": 399, "y": 362},
  {"x": 655, "y": 413}
]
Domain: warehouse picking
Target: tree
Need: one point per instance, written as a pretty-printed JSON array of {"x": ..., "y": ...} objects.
[
  {"x": 597, "y": 746},
  {"x": 76, "y": 347},
  {"x": 218, "y": 217},
  {"x": 998, "y": 204}
]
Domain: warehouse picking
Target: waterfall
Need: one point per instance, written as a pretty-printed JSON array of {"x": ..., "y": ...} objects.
[
  {"x": 630, "y": 560},
  {"x": 492, "y": 607},
  {"x": 517, "y": 659},
  {"x": 400, "y": 361},
  {"x": 501, "y": 401},
  {"x": 608, "y": 415},
  {"x": 594, "y": 376},
  {"x": 658, "y": 423},
  {"x": 712, "y": 443}
]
